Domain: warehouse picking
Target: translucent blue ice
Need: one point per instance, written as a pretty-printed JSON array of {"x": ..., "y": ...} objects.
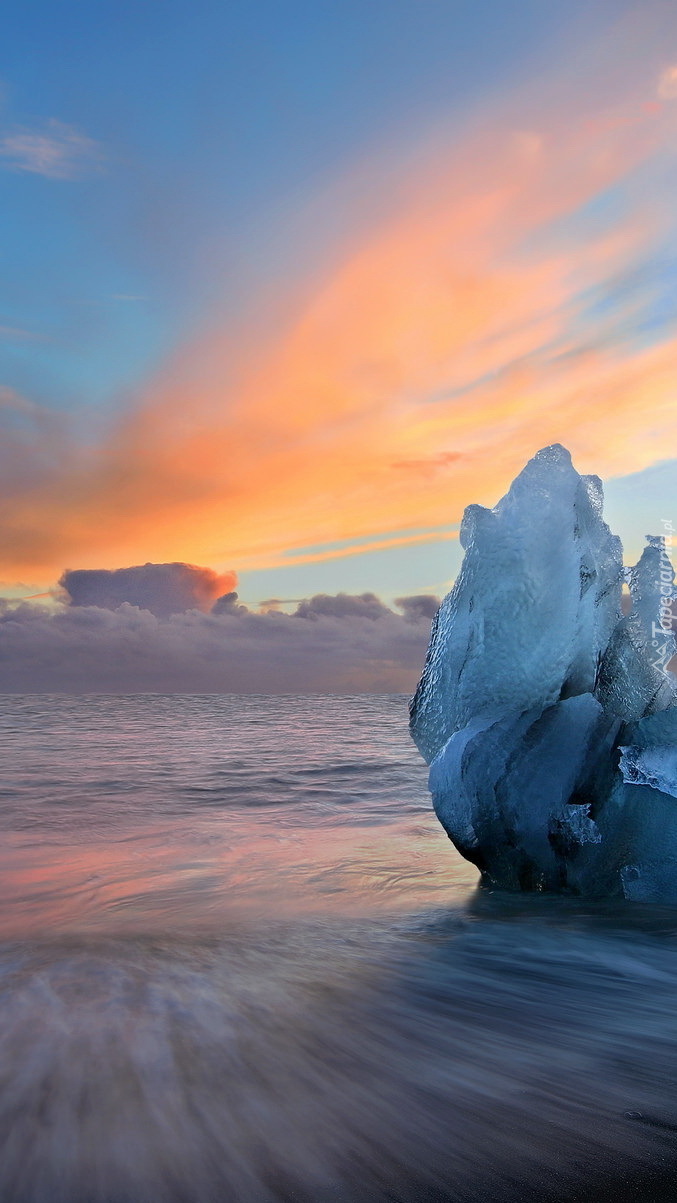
[{"x": 548, "y": 718}]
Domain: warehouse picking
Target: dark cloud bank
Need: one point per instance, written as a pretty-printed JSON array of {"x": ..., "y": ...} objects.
[{"x": 160, "y": 628}]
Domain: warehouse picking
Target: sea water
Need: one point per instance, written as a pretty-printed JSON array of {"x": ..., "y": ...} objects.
[{"x": 240, "y": 961}]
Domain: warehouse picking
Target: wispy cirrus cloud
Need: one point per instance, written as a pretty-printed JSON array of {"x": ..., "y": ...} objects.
[
  {"x": 667, "y": 84},
  {"x": 514, "y": 290},
  {"x": 13, "y": 402},
  {"x": 15, "y": 334},
  {"x": 54, "y": 150}
]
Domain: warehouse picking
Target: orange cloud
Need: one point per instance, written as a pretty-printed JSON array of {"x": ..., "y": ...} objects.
[{"x": 488, "y": 312}]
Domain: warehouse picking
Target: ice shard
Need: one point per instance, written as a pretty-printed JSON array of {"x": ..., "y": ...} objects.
[{"x": 548, "y": 717}]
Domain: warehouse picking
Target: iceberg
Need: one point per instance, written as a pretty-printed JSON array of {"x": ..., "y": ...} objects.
[{"x": 548, "y": 716}]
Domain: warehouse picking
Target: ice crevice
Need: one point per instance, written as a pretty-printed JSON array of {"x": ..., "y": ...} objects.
[{"x": 548, "y": 716}]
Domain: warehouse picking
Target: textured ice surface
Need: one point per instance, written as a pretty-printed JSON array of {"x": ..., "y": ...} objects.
[{"x": 548, "y": 718}]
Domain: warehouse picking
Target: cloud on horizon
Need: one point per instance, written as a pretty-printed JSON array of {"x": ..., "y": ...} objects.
[
  {"x": 163, "y": 589},
  {"x": 343, "y": 644}
]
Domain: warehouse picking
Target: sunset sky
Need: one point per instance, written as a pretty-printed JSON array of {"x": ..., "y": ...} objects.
[{"x": 286, "y": 285}]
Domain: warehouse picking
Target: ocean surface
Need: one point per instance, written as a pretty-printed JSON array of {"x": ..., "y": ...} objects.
[{"x": 240, "y": 962}]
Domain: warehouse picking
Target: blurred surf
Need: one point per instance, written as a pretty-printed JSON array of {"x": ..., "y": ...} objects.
[{"x": 241, "y": 961}]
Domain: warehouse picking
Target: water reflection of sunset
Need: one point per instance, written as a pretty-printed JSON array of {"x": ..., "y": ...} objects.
[{"x": 202, "y": 875}]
